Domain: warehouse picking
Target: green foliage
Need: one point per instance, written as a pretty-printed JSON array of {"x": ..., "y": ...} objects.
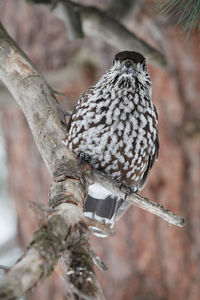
[{"x": 187, "y": 12}]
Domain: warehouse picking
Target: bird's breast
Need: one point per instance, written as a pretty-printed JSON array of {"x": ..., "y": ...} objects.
[{"x": 117, "y": 132}]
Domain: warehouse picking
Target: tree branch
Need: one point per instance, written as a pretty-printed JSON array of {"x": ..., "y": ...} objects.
[
  {"x": 36, "y": 99},
  {"x": 139, "y": 201},
  {"x": 120, "y": 9},
  {"x": 55, "y": 78},
  {"x": 65, "y": 228},
  {"x": 70, "y": 14},
  {"x": 98, "y": 24}
]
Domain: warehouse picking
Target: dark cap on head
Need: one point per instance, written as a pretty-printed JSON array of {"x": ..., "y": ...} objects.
[{"x": 134, "y": 56}]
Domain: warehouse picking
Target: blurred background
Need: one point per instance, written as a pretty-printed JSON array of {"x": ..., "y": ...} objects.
[{"x": 147, "y": 258}]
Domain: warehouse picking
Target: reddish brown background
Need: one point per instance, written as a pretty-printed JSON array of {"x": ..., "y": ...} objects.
[{"x": 147, "y": 258}]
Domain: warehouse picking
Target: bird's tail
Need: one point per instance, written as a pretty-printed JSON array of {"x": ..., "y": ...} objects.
[{"x": 109, "y": 209}]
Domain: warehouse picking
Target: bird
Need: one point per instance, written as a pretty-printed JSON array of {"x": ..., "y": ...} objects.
[{"x": 114, "y": 127}]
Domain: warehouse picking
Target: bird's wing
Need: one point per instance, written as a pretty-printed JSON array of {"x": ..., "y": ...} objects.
[
  {"x": 84, "y": 98},
  {"x": 151, "y": 161},
  {"x": 152, "y": 157}
]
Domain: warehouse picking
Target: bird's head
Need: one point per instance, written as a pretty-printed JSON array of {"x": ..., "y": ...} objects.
[
  {"x": 129, "y": 62},
  {"x": 129, "y": 65}
]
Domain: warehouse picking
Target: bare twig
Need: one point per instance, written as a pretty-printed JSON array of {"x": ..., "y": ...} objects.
[
  {"x": 98, "y": 261},
  {"x": 139, "y": 201},
  {"x": 70, "y": 14},
  {"x": 96, "y": 23}
]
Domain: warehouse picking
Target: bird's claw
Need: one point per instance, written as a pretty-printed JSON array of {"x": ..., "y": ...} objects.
[
  {"x": 82, "y": 158},
  {"x": 127, "y": 190}
]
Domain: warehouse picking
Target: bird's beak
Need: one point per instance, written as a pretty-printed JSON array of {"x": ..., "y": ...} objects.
[{"x": 128, "y": 68}]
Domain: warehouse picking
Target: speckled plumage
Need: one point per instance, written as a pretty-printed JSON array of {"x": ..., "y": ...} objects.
[{"x": 115, "y": 122}]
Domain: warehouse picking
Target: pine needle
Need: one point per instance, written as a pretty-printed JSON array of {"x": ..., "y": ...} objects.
[{"x": 186, "y": 11}]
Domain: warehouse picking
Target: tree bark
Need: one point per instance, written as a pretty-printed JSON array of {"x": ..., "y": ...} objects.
[{"x": 63, "y": 228}]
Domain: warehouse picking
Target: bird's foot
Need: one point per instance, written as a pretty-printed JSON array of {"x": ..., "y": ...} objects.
[
  {"x": 82, "y": 158},
  {"x": 127, "y": 190}
]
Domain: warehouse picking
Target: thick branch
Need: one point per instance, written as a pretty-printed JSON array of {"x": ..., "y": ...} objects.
[
  {"x": 42, "y": 254},
  {"x": 36, "y": 99},
  {"x": 65, "y": 228},
  {"x": 57, "y": 79},
  {"x": 63, "y": 231}
]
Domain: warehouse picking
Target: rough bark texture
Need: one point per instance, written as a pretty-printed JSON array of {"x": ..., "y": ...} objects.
[
  {"x": 65, "y": 228},
  {"x": 147, "y": 259}
]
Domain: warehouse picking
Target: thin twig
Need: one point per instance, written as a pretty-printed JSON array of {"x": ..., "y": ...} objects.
[
  {"x": 98, "y": 261},
  {"x": 139, "y": 201}
]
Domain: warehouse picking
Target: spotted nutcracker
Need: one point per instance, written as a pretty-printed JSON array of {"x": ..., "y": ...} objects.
[{"x": 115, "y": 126}]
